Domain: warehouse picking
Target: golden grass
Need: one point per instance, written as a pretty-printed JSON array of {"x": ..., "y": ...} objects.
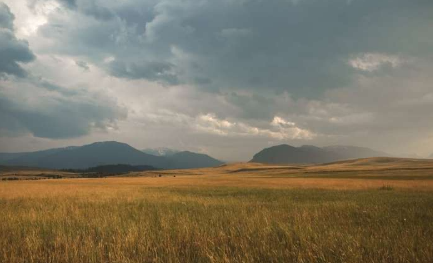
[
  {"x": 235, "y": 213},
  {"x": 32, "y": 173}
]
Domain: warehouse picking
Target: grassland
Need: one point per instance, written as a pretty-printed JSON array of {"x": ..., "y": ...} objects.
[
  {"x": 364, "y": 211},
  {"x": 27, "y": 173}
]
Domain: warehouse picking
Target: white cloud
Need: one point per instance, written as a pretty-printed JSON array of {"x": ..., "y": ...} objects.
[
  {"x": 278, "y": 121},
  {"x": 279, "y": 128},
  {"x": 373, "y": 61},
  {"x": 29, "y": 20}
]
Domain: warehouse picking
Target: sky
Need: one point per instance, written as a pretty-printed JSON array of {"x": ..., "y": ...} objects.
[{"x": 226, "y": 78}]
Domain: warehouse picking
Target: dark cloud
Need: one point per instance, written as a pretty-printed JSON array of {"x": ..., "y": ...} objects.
[
  {"x": 50, "y": 86},
  {"x": 83, "y": 65},
  {"x": 154, "y": 71},
  {"x": 12, "y": 50},
  {"x": 30, "y": 103},
  {"x": 6, "y": 17},
  {"x": 302, "y": 47},
  {"x": 58, "y": 117},
  {"x": 253, "y": 106},
  {"x": 247, "y": 72}
]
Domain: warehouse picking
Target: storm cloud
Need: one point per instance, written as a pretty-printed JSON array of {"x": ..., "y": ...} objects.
[
  {"x": 302, "y": 47},
  {"x": 216, "y": 75},
  {"x": 56, "y": 114},
  {"x": 31, "y": 103},
  {"x": 12, "y": 50}
]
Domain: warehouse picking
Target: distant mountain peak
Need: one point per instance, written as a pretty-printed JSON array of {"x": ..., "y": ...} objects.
[
  {"x": 108, "y": 143},
  {"x": 309, "y": 147},
  {"x": 160, "y": 151},
  {"x": 190, "y": 153},
  {"x": 281, "y": 146}
]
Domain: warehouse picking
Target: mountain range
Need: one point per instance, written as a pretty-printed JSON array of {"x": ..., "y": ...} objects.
[
  {"x": 105, "y": 153},
  {"x": 114, "y": 153},
  {"x": 306, "y": 154}
]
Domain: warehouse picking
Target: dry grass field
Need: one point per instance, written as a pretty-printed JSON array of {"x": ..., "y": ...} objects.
[
  {"x": 27, "y": 173},
  {"x": 370, "y": 210}
]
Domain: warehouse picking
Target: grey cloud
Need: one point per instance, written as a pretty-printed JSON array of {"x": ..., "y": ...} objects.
[
  {"x": 9, "y": 126},
  {"x": 90, "y": 8},
  {"x": 154, "y": 71},
  {"x": 301, "y": 47},
  {"x": 58, "y": 117},
  {"x": 246, "y": 62},
  {"x": 6, "y": 17},
  {"x": 50, "y": 86},
  {"x": 253, "y": 106},
  {"x": 12, "y": 50},
  {"x": 83, "y": 65},
  {"x": 69, "y": 3}
]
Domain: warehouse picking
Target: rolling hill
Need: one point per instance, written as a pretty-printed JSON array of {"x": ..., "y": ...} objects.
[
  {"x": 104, "y": 153},
  {"x": 354, "y": 152},
  {"x": 307, "y": 154}
]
